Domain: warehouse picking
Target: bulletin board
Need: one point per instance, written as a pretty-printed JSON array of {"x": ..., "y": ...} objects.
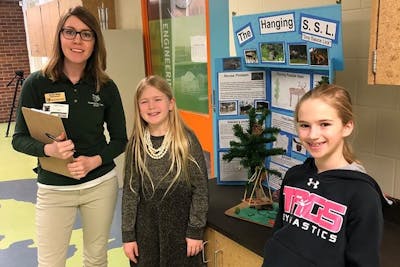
[{"x": 274, "y": 69}]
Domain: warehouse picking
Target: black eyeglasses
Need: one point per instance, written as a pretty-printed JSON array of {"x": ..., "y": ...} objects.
[{"x": 70, "y": 34}]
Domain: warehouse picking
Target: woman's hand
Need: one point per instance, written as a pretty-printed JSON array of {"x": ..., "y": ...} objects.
[
  {"x": 60, "y": 148},
  {"x": 131, "y": 250},
  {"x": 82, "y": 165},
  {"x": 194, "y": 246}
]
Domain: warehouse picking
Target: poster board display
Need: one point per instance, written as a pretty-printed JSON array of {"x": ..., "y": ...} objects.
[
  {"x": 279, "y": 90},
  {"x": 281, "y": 56}
]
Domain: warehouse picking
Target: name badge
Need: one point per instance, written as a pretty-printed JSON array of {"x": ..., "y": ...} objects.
[
  {"x": 60, "y": 110},
  {"x": 54, "y": 97}
]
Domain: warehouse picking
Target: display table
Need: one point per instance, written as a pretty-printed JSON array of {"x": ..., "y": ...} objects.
[
  {"x": 230, "y": 240},
  {"x": 250, "y": 235}
]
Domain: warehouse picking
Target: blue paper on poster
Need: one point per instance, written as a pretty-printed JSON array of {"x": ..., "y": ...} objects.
[{"x": 309, "y": 38}]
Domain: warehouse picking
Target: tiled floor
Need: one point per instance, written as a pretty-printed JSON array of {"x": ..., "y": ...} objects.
[
  {"x": 13, "y": 165},
  {"x": 17, "y": 229}
]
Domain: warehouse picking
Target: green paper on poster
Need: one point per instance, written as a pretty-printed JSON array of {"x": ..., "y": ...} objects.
[{"x": 260, "y": 216}]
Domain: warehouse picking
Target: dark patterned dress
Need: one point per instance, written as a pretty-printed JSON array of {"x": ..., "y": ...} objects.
[{"x": 161, "y": 223}]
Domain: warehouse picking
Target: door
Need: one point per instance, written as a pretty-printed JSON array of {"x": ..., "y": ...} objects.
[{"x": 175, "y": 34}]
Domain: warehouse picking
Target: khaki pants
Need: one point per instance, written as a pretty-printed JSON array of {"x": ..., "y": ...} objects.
[{"x": 55, "y": 216}]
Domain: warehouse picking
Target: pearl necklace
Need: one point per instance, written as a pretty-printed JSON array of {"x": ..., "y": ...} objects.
[{"x": 156, "y": 153}]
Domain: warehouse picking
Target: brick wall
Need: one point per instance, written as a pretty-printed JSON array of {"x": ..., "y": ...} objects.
[{"x": 13, "y": 54}]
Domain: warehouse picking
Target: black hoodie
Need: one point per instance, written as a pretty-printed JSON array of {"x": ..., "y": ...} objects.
[{"x": 333, "y": 218}]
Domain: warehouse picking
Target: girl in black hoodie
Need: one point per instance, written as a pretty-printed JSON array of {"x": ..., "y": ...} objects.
[{"x": 330, "y": 210}]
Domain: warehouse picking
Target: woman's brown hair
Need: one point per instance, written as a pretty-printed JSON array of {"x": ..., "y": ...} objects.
[{"x": 96, "y": 64}]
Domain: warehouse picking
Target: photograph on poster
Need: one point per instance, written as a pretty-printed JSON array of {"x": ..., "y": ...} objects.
[
  {"x": 318, "y": 78},
  {"x": 297, "y": 147},
  {"x": 228, "y": 108},
  {"x": 250, "y": 56},
  {"x": 260, "y": 105},
  {"x": 287, "y": 88},
  {"x": 297, "y": 54},
  {"x": 319, "y": 56},
  {"x": 231, "y": 171},
  {"x": 245, "y": 106},
  {"x": 234, "y": 63},
  {"x": 272, "y": 52},
  {"x": 257, "y": 76}
]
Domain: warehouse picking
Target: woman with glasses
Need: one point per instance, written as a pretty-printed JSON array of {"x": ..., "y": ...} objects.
[{"x": 74, "y": 85}]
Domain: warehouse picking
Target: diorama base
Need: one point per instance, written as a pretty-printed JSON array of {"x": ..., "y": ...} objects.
[{"x": 249, "y": 213}]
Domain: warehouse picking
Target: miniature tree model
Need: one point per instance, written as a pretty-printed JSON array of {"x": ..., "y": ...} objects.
[{"x": 253, "y": 151}]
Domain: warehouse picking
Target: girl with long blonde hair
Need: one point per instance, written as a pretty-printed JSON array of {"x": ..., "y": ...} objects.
[{"x": 165, "y": 195}]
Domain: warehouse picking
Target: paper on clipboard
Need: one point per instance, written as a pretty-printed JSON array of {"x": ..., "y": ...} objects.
[{"x": 39, "y": 124}]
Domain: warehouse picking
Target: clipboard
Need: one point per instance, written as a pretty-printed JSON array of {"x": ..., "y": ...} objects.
[{"x": 40, "y": 124}]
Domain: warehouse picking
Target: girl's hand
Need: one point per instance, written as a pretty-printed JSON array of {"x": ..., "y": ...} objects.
[
  {"x": 131, "y": 250},
  {"x": 82, "y": 165},
  {"x": 60, "y": 148},
  {"x": 194, "y": 246}
]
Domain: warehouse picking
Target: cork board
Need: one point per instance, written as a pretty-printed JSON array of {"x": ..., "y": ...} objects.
[
  {"x": 386, "y": 16},
  {"x": 373, "y": 39}
]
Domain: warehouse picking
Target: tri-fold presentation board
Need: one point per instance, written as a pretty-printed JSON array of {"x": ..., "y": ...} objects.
[{"x": 280, "y": 56}]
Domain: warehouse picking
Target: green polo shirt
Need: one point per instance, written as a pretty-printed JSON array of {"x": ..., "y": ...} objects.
[{"x": 89, "y": 112}]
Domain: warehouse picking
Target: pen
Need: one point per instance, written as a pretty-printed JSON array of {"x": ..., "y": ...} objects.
[{"x": 52, "y": 137}]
